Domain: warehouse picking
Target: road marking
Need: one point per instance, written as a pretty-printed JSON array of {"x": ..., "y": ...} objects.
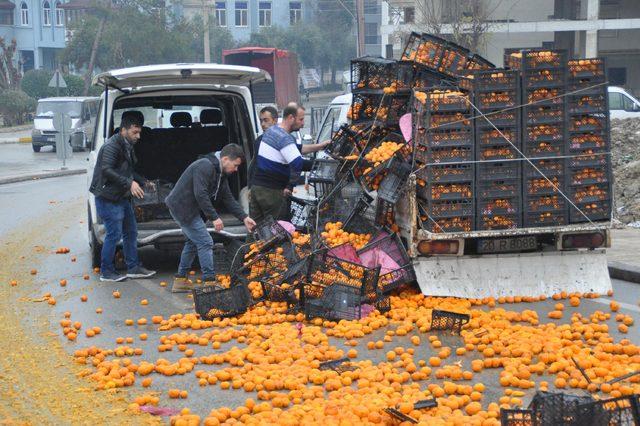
[
  {"x": 25, "y": 139},
  {"x": 623, "y": 305}
]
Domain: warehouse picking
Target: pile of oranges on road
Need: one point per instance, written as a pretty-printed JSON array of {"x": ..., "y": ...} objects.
[{"x": 274, "y": 357}]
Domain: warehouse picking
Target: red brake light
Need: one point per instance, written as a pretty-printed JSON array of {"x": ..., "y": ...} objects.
[
  {"x": 590, "y": 240},
  {"x": 438, "y": 247}
]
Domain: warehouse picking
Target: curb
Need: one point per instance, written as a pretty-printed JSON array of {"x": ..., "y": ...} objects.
[
  {"x": 45, "y": 175},
  {"x": 624, "y": 271}
]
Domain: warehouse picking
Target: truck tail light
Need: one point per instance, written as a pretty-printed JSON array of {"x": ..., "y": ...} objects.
[
  {"x": 427, "y": 248},
  {"x": 589, "y": 240}
]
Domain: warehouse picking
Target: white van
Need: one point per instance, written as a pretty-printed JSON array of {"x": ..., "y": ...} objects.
[
  {"x": 81, "y": 110},
  {"x": 622, "y": 104},
  {"x": 221, "y": 93},
  {"x": 334, "y": 117}
]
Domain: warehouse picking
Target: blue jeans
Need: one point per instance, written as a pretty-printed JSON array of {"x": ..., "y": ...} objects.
[
  {"x": 120, "y": 222},
  {"x": 198, "y": 242}
]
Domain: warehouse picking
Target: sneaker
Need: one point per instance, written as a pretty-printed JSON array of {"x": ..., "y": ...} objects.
[
  {"x": 112, "y": 277},
  {"x": 140, "y": 272},
  {"x": 181, "y": 284}
]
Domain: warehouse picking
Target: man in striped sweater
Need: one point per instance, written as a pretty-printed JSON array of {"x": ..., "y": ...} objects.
[{"x": 278, "y": 166}]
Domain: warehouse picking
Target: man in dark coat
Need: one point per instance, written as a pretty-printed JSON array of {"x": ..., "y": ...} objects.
[
  {"x": 191, "y": 200},
  {"x": 114, "y": 183}
]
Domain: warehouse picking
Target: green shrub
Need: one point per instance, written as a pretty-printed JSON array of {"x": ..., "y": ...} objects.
[
  {"x": 14, "y": 106},
  {"x": 35, "y": 83}
]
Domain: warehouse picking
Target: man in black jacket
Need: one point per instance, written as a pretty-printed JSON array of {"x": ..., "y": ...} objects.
[
  {"x": 190, "y": 204},
  {"x": 114, "y": 182}
]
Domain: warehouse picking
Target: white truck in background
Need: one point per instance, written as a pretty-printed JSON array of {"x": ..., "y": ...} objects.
[{"x": 479, "y": 264}]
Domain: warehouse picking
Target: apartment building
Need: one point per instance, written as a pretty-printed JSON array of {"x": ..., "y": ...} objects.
[{"x": 586, "y": 28}]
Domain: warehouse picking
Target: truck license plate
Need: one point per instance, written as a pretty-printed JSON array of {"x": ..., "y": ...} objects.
[{"x": 506, "y": 245}]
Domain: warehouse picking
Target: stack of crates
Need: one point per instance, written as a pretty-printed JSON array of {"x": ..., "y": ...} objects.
[
  {"x": 588, "y": 166},
  {"x": 498, "y": 171},
  {"x": 444, "y": 134},
  {"x": 544, "y": 134}
]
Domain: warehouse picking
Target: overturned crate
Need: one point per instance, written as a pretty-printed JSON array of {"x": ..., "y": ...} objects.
[{"x": 447, "y": 320}]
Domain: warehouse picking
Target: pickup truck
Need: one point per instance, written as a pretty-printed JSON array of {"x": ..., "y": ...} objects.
[{"x": 479, "y": 264}]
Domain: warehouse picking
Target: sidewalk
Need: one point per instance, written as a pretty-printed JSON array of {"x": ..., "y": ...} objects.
[
  {"x": 16, "y": 134},
  {"x": 19, "y": 163},
  {"x": 623, "y": 256}
]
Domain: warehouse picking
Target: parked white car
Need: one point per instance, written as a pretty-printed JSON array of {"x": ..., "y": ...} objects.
[
  {"x": 222, "y": 95},
  {"x": 81, "y": 111}
]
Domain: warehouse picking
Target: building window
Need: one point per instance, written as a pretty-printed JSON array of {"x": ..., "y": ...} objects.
[
  {"x": 221, "y": 14},
  {"x": 241, "y": 14},
  {"x": 264, "y": 14},
  {"x": 24, "y": 14},
  {"x": 371, "y": 33},
  {"x": 372, "y": 7},
  {"x": 59, "y": 14},
  {"x": 6, "y": 17},
  {"x": 46, "y": 14},
  {"x": 295, "y": 12},
  {"x": 409, "y": 15}
]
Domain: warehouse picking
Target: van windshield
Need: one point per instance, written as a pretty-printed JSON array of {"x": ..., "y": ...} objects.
[{"x": 72, "y": 108}]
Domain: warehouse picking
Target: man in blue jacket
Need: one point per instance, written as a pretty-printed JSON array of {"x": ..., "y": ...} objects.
[
  {"x": 190, "y": 204},
  {"x": 278, "y": 166}
]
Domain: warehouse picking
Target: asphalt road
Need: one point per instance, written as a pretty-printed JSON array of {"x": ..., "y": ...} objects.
[{"x": 38, "y": 217}]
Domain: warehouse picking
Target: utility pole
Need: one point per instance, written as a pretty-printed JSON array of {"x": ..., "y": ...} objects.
[
  {"x": 360, "y": 26},
  {"x": 205, "y": 20}
]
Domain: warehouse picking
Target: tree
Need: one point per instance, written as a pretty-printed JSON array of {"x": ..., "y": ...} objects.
[
  {"x": 134, "y": 33},
  {"x": 9, "y": 74},
  {"x": 220, "y": 38},
  {"x": 14, "y": 106}
]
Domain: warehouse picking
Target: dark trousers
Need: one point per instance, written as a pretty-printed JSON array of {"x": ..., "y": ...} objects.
[
  {"x": 120, "y": 222},
  {"x": 265, "y": 202}
]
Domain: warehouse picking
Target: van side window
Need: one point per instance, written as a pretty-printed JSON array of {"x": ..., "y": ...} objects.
[
  {"x": 95, "y": 130},
  {"x": 615, "y": 100}
]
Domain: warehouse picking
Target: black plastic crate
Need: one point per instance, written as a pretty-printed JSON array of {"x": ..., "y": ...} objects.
[
  {"x": 499, "y": 213},
  {"x": 414, "y": 75},
  {"x": 537, "y": 114},
  {"x": 497, "y": 171},
  {"x": 214, "y": 301},
  {"x": 544, "y": 148},
  {"x": 439, "y": 225},
  {"x": 492, "y": 153},
  {"x": 558, "y": 408},
  {"x": 347, "y": 200},
  {"x": 492, "y": 222},
  {"x": 442, "y": 137},
  {"x": 372, "y": 73},
  {"x": 436, "y": 53},
  {"x": 584, "y": 103},
  {"x": 516, "y": 417},
  {"x": 382, "y": 108},
  {"x": 621, "y": 411},
  {"x": 544, "y": 78},
  {"x": 492, "y": 136},
  {"x": 453, "y": 155},
  {"x": 543, "y": 59},
  {"x": 338, "y": 365},
  {"x": 323, "y": 176},
  {"x": 343, "y": 142},
  {"x": 498, "y": 79},
  {"x": 546, "y": 167},
  {"x": 592, "y": 123},
  {"x": 154, "y": 195},
  {"x": 339, "y": 302},
  {"x": 448, "y": 191},
  {"x": 588, "y": 175},
  {"x": 590, "y": 193},
  {"x": 301, "y": 210},
  {"x": 543, "y": 219},
  {"x": 448, "y": 173},
  {"x": 444, "y": 209},
  {"x": 498, "y": 119},
  {"x": 447, "y": 121},
  {"x": 476, "y": 62},
  {"x": 390, "y": 245},
  {"x": 586, "y": 68},
  {"x": 269, "y": 229},
  {"x": 494, "y": 100},
  {"x": 596, "y": 141},
  {"x": 588, "y": 158},
  {"x": 221, "y": 259},
  {"x": 544, "y": 97},
  {"x": 393, "y": 183},
  {"x": 502, "y": 188},
  {"x": 543, "y": 186},
  {"x": 595, "y": 211},
  {"x": 447, "y": 320},
  {"x": 544, "y": 133},
  {"x": 449, "y": 100}
]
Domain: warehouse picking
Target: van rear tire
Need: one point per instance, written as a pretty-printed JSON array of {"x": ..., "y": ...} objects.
[
  {"x": 94, "y": 244},
  {"x": 36, "y": 148}
]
